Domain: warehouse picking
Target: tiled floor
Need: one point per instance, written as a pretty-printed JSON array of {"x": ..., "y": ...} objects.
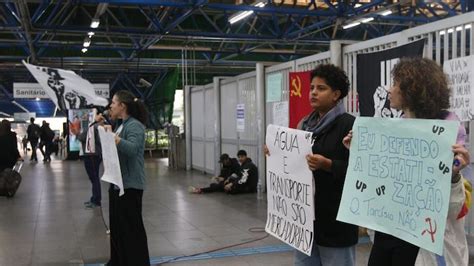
[{"x": 46, "y": 223}]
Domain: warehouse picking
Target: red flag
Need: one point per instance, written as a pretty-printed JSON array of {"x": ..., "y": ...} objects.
[{"x": 300, "y": 83}]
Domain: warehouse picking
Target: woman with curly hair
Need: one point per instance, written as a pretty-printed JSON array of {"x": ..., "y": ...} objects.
[
  {"x": 334, "y": 241},
  {"x": 420, "y": 89}
]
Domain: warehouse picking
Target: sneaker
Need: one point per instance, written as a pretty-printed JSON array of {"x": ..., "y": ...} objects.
[
  {"x": 194, "y": 190},
  {"x": 92, "y": 205},
  {"x": 87, "y": 202}
]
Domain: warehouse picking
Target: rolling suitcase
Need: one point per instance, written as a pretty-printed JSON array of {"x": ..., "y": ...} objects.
[{"x": 10, "y": 180}]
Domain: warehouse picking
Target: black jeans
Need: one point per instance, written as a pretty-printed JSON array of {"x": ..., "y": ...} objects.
[
  {"x": 92, "y": 164},
  {"x": 391, "y": 251},
  {"x": 128, "y": 241},
  {"x": 214, "y": 187},
  {"x": 41, "y": 146},
  {"x": 48, "y": 145},
  {"x": 34, "y": 146}
]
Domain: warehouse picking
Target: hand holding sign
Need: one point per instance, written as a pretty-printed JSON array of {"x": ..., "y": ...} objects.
[
  {"x": 398, "y": 178},
  {"x": 316, "y": 162},
  {"x": 461, "y": 158},
  {"x": 347, "y": 140}
]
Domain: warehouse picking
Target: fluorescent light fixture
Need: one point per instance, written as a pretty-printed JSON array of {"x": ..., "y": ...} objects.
[
  {"x": 84, "y": 50},
  {"x": 20, "y": 106},
  {"x": 468, "y": 26},
  {"x": 366, "y": 20},
  {"x": 95, "y": 23},
  {"x": 37, "y": 99},
  {"x": 5, "y": 114},
  {"x": 450, "y": 30},
  {"x": 442, "y": 32},
  {"x": 357, "y": 5},
  {"x": 87, "y": 42},
  {"x": 351, "y": 25},
  {"x": 91, "y": 33},
  {"x": 386, "y": 13},
  {"x": 241, "y": 15}
]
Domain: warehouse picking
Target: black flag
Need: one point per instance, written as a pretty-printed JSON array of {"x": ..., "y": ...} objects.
[{"x": 374, "y": 79}]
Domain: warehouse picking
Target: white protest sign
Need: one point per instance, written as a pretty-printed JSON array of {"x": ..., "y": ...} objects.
[
  {"x": 290, "y": 197},
  {"x": 460, "y": 73},
  {"x": 112, "y": 173},
  {"x": 399, "y": 178}
]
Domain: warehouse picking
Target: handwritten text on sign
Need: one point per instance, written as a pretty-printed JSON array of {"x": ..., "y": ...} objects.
[
  {"x": 460, "y": 73},
  {"x": 290, "y": 187},
  {"x": 399, "y": 178}
]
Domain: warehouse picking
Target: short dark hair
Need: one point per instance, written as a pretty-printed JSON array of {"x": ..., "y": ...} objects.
[
  {"x": 242, "y": 153},
  {"x": 423, "y": 87},
  {"x": 334, "y": 76},
  {"x": 32, "y": 120}
]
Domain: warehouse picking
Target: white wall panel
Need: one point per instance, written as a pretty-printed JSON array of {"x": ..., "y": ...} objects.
[
  {"x": 230, "y": 149},
  {"x": 197, "y": 108},
  {"x": 209, "y": 157},
  {"x": 284, "y": 70},
  {"x": 210, "y": 114},
  {"x": 247, "y": 96},
  {"x": 198, "y": 158},
  {"x": 228, "y": 111}
]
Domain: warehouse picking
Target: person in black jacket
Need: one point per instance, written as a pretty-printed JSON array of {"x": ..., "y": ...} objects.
[
  {"x": 47, "y": 136},
  {"x": 33, "y": 132},
  {"x": 9, "y": 153},
  {"x": 245, "y": 181},
  {"x": 229, "y": 167},
  {"x": 335, "y": 241},
  {"x": 42, "y": 143}
]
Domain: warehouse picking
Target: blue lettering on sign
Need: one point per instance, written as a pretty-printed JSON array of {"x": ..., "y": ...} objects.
[
  {"x": 366, "y": 140},
  {"x": 395, "y": 168},
  {"x": 380, "y": 212},
  {"x": 415, "y": 196}
]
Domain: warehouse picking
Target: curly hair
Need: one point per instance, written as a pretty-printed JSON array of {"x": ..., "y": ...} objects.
[
  {"x": 335, "y": 77},
  {"x": 423, "y": 86}
]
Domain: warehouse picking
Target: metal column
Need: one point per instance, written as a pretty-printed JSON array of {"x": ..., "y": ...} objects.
[{"x": 261, "y": 130}]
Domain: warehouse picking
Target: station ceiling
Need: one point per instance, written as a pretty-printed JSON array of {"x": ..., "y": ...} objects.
[{"x": 148, "y": 38}]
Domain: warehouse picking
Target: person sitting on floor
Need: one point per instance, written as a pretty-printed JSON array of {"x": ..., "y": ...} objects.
[
  {"x": 229, "y": 166},
  {"x": 246, "y": 179}
]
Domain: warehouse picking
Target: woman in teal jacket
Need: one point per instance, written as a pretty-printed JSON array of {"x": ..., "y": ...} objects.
[{"x": 128, "y": 241}]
